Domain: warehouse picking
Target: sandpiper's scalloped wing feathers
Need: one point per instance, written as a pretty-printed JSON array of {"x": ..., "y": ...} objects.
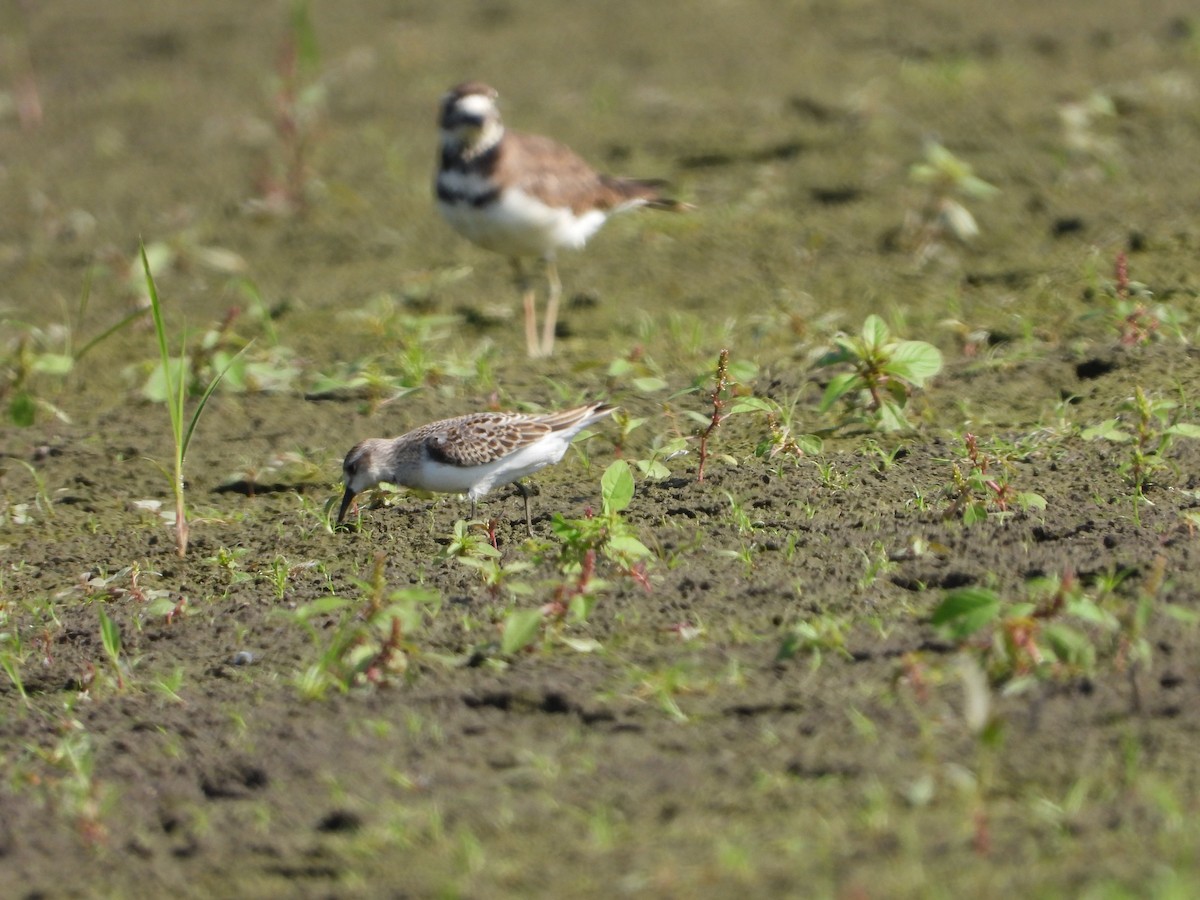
[{"x": 480, "y": 438}]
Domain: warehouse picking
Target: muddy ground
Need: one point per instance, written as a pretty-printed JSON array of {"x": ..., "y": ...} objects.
[{"x": 764, "y": 704}]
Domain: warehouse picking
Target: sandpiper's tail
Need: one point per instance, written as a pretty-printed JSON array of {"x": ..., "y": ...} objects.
[{"x": 579, "y": 417}]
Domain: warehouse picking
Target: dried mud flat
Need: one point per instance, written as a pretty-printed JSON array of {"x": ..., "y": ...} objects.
[{"x": 767, "y": 708}]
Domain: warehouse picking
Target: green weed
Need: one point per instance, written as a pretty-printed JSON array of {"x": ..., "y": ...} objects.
[
  {"x": 1150, "y": 435},
  {"x": 174, "y": 397},
  {"x": 364, "y": 641},
  {"x": 883, "y": 373}
]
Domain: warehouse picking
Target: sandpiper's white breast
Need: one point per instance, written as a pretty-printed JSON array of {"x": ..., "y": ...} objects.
[{"x": 475, "y": 481}]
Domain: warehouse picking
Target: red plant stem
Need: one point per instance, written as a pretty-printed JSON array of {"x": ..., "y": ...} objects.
[
  {"x": 718, "y": 404},
  {"x": 1122, "y": 273}
]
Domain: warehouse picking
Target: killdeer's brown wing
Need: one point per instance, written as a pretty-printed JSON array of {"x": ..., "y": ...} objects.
[{"x": 556, "y": 175}]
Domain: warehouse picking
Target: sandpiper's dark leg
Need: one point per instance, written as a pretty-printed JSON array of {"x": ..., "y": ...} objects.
[{"x": 528, "y": 518}]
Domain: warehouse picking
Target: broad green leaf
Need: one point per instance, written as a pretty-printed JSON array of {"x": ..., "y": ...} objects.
[
  {"x": 653, "y": 469},
  {"x": 1108, "y": 430},
  {"x": 110, "y": 636},
  {"x": 628, "y": 546},
  {"x": 1030, "y": 500},
  {"x": 1068, "y": 645},
  {"x": 650, "y": 384},
  {"x": 809, "y": 444},
  {"x": 616, "y": 486},
  {"x": 521, "y": 628},
  {"x": 839, "y": 386},
  {"x": 965, "y": 611},
  {"x": 743, "y": 371},
  {"x": 1184, "y": 429},
  {"x": 875, "y": 332},
  {"x": 158, "y": 385},
  {"x": 1088, "y": 611},
  {"x": 974, "y": 512},
  {"x": 619, "y": 367},
  {"x": 320, "y": 607},
  {"x": 753, "y": 404},
  {"x": 53, "y": 363},
  {"x": 1181, "y": 613},
  {"x": 914, "y": 361},
  {"x": 22, "y": 410},
  {"x": 891, "y": 416},
  {"x": 582, "y": 645}
]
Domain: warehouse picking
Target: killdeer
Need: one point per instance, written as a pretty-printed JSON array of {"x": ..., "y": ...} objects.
[
  {"x": 524, "y": 195},
  {"x": 468, "y": 454}
]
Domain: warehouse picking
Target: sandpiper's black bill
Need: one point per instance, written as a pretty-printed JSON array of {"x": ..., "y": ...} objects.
[{"x": 347, "y": 499}]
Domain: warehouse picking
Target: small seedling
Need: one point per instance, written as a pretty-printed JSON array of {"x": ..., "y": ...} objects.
[
  {"x": 12, "y": 654},
  {"x": 985, "y": 486},
  {"x": 371, "y": 639},
  {"x": 948, "y": 181},
  {"x": 782, "y": 438},
  {"x": 815, "y": 637},
  {"x": 1062, "y": 630},
  {"x": 46, "y": 353},
  {"x": 299, "y": 103},
  {"x": 883, "y": 374},
  {"x": 110, "y": 639},
  {"x": 1154, "y": 428},
  {"x": 174, "y": 397}
]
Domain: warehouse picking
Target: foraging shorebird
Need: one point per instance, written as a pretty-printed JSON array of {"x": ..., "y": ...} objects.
[
  {"x": 468, "y": 454},
  {"x": 524, "y": 195}
]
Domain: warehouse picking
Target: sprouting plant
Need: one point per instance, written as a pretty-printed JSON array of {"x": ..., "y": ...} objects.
[
  {"x": 781, "y": 437},
  {"x": 638, "y": 370},
  {"x": 583, "y": 542},
  {"x": 1062, "y": 630},
  {"x": 52, "y": 352},
  {"x": 370, "y": 640},
  {"x": 816, "y": 636},
  {"x": 21, "y": 513},
  {"x": 1132, "y": 311},
  {"x": 480, "y": 553},
  {"x": 1150, "y": 436},
  {"x": 1087, "y": 130},
  {"x": 299, "y": 103},
  {"x": 110, "y": 639},
  {"x": 12, "y": 653},
  {"x": 883, "y": 373},
  {"x": 175, "y": 397},
  {"x": 948, "y": 182},
  {"x": 654, "y": 466},
  {"x": 72, "y": 782},
  {"x": 608, "y": 532},
  {"x": 985, "y": 485},
  {"x": 875, "y": 563}
]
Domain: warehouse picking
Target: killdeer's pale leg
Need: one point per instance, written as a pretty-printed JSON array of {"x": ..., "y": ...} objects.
[
  {"x": 529, "y": 301},
  {"x": 554, "y": 292}
]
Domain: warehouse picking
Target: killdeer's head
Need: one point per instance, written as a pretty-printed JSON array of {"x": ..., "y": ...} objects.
[{"x": 470, "y": 119}]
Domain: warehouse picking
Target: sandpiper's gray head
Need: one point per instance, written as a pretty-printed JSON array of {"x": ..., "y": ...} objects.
[{"x": 358, "y": 474}]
